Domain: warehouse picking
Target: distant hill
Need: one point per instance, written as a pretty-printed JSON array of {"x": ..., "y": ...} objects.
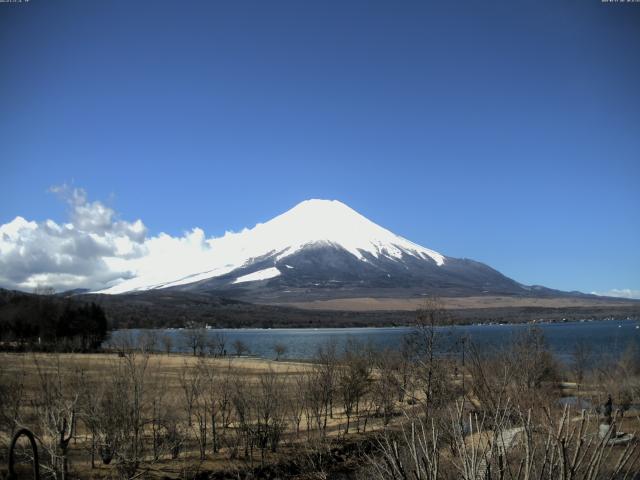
[{"x": 167, "y": 309}]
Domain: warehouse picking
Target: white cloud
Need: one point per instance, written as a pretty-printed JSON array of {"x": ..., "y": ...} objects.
[
  {"x": 620, "y": 292},
  {"x": 94, "y": 249}
]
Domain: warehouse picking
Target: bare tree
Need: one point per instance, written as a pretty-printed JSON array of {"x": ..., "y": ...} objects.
[
  {"x": 162, "y": 415},
  {"x": 411, "y": 455},
  {"x": 175, "y": 436},
  {"x": 387, "y": 388},
  {"x": 130, "y": 384},
  {"x": 122, "y": 408},
  {"x": 216, "y": 393},
  {"x": 317, "y": 392},
  {"x": 189, "y": 378},
  {"x": 279, "y": 349},
  {"x": 554, "y": 447},
  {"x": 56, "y": 407},
  {"x": 535, "y": 369},
  {"x": 195, "y": 339},
  {"x": 325, "y": 365},
  {"x": 259, "y": 412},
  {"x": 12, "y": 392},
  {"x": 402, "y": 361},
  {"x": 619, "y": 377},
  {"x": 148, "y": 341},
  {"x": 580, "y": 360},
  {"x": 225, "y": 392},
  {"x": 353, "y": 378},
  {"x": 491, "y": 376},
  {"x": 296, "y": 403},
  {"x": 530, "y": 352},
  {"x": 269, "y": 412},
  {"x": 244, "y": 410},
  {"x": 201, "y": 408},
  {"x": 107, "y": 416},
  {"x": 426, "y": 345},
  {"x": 216, "y": 345},
  {"x": 89, "y": 412},
  {"x": 240, "y": 347},
  {"x": 167, "y": 343},
  {"x": 213, "y": 392}
]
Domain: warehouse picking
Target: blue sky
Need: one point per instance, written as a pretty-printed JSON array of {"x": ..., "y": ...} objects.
[{"x": 506, "y": 132}]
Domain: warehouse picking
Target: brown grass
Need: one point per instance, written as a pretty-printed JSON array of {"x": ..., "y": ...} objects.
[{"x": 411, "y": 304}]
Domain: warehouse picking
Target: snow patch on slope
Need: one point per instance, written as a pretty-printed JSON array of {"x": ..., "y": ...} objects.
[{"x": 265, "y": 274}]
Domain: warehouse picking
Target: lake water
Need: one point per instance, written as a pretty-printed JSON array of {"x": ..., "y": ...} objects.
[{"x": 607, "y": 337}]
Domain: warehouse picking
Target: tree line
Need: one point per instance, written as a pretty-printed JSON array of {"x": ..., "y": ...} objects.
[{"x": 43, "y": 321}]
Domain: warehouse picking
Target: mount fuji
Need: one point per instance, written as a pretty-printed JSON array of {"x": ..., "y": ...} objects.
[{"x": 320, "y": 250}]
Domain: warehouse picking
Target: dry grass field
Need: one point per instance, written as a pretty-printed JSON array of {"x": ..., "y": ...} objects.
[
  {"x": 185, "y": 391},
  {"x": 450, "y": 303}
]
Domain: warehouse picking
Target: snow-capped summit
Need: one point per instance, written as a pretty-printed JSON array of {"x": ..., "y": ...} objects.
[
  {"x": 317, "y": 246},
  {"x": 333, "y": 222}
]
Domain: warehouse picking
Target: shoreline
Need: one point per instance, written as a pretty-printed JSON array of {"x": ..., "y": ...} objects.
[{"x": 388, "y": 327}]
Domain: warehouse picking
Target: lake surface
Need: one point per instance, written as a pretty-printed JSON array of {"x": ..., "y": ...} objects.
[{"x": 605, "y": 338}]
